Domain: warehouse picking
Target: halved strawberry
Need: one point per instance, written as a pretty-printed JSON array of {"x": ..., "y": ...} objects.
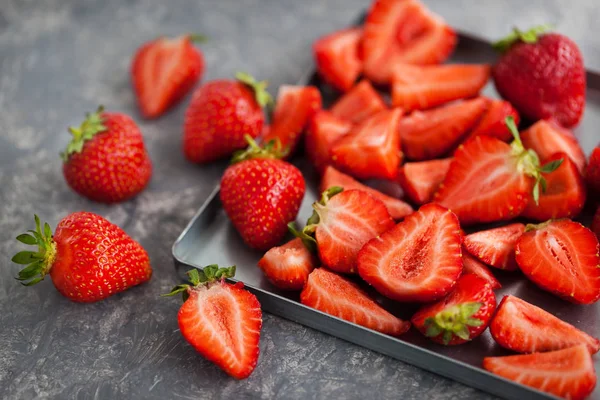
[
  {"x": 419, "y": 88},
  {"x": 324, "y": 129},
  {"x": 420, "y": 180},
  {"x": 492, "y": 122},
  {"x": 471, "y": 265},
  {"x": 337, "y": 56},
  {"x": 461, "y": 316},
  {"x": 496, "y": 246},
  {"x": 332, "y": 177},
  {"x": 372, "y": 148},
  {"x": 361, "y": 102},
  {"x": 288, "y": 266},
  {"x": 567, "y": 373},
  {"x": 522, "y": 327},
  {"x": 433, "y": 133},
  {"x": 417, "y": 260},
  {"x": 561, "y": 257},
  {"x": 592, "y": 174}
]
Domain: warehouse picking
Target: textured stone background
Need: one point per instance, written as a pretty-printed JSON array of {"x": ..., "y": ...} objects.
[{"x": 60, "y": 58}]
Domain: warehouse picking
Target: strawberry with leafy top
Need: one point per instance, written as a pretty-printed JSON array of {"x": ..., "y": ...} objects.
[
  {"x": 361, "y": 102},
  {"x": 338, "y": 59},
  {"x": 420, "y": 180},
  {"x": 88, "y": 258},
  {"x": 496, "y": 246},
  {"x": 288, "y": 266},
  {"x": 592, "y": 174},
  {"x": 222, "y": 321},
  {"x": 324, "y": 129},
  {"x": 492, "y": 122},
  {"x": 471, "y": 265}
]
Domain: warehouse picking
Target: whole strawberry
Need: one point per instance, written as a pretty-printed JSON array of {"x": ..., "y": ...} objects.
[
  {"x": 542, "y": 75},
  {"x": 106, "y": 160},
  {"x": 220, "y": 114},
  {"x": 88, "y": 258}
]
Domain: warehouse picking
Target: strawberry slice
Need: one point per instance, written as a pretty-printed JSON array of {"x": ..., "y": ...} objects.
[
  {"x": 323, "y": 131},
  {"x": 496, "y": 246},
  {"x": 337, "y": 56},
  {"x": 471, "y": 265},
  {"x": 592, "y": 174},
  {"x": 517, "y": 326},
  {"x": 361, "y": 102},
  {"x": 492, "y": 122},
  {"x": 420, "y": 180},
  {"x": 288, "y": 266},
  {"x": 567, "y": 373},
  {"x": 430, "y": 134},
  {"x": 459, "y": 317},
  {"x": 372, "y": 148},
  {"x": 419, "y": 88},
  {"x": 403, "y": 31},
  {"x": 417, "y": 260},
  {"x": 332, "y": 177}
]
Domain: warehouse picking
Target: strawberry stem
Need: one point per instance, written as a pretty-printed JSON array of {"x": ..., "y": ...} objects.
[
  {"x": 198, "y": 38},
  {"x": 263, "y": 98},
  {"x": 91, "y": 126},
  {"x": 308, "y": 232},
  {"x": 529, "y": 36},
  {"x": 38, "y": 263},
  {"x": 453, "y": 321},
  {"x": 202, "y": 277},
  {"x": 254, "y": 150}
]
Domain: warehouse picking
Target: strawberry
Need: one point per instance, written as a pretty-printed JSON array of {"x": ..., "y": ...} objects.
[
  {"x": 403, "y": 31},
  {"x": 567, "y": 373},
  {"x": 361, "y": 102},
  {"x": 222, "y": 321},
  {"x": 106, "y": 160},
  {"x": 420, "y": 180},
  {"x": 430, "y": 134},
  {"x": 294, "y": 108},
  {"x": 471, "y": 265},
  {"x": 332, "y": 177},
  {"x": 461, "y": 316},
  {"x": 288, "y": 266},
  {"x": 419, "y": 88},
  {"x": 492, "y": 122},
  {"x": 337, "y": 56},
  {"x": 592, "y": 174},
  {"x": 88, "y": 258},
  {"x": 337, "y": 296},
  {"x": 417, "y": 260},
  {"x": 220, "y": 114},
  {"x": 517, "y": 326},
  {"x": 542, "y": 75},
  {"x": 261, "y": 194},
  {"x": 372, "y": 148},
  {"x": 323, "y": 130},
  {"x": 164, "y": 70},
  {"x": 596, "y": 223},
  {"x": 496, "y": 246},
  {"x": 561, "y": 257}
]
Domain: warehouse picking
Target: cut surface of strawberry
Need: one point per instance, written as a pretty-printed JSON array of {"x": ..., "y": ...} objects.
[
  {"x": 471, "y": 265},
  {"x": 323, "y": 131},
  {"x": 288, "y": 266},
  {"x": 337, "y": 56},
  {"x": 492, "y": 122},
  {"x": 358, "y": 104},
  {"x": 420, "y": 180},
  {"x": 496, "y": 246}
]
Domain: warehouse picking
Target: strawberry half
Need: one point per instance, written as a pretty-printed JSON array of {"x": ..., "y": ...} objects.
[
  {"x": 496, "y": 246},
  {"x": 492, "y": 122},
  {"x": 361, "y": 102},
  {"x": 417, "y": 260},
  {"x": 323, "y": 130},
  {"x": 420, "y": 180},
  {"x": 288, "y": 266},
  {"x": 471, "y": 265},
  {"x": 337, "y": 56},
  {"x": 561, "y": 257},
  {"x": 592, "y": 175}
]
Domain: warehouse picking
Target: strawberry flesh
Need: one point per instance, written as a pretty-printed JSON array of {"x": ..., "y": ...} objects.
[
  {"x": 496, "y": 246},
  {"x": 361, "y": 102},
  {"x": 337, "y": 56},
  {"x": 323, "y": 131},
  {"x": 420, "y": 180},
  {"x": 471, "y": 265},
  {"x": 492, "y": 122},
  {"x": 288, "y": 266}
]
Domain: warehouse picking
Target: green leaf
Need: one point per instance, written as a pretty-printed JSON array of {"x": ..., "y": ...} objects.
[
  {"x": 447, "y": 337},
  {"x": 37, "y": 224},
  {"x": 27, "y": 239},
  {"x": 47, "y": 230},
  {"x": 512, "y": 127},
  {"x": 469, "y": 309},
  {"x": 463, "y": 333},
  {"x": 24, "y": 257},
  {"x": 473, "y": 322},
  {"x": 263, "y": 98},
  {"x": 307, "y": 240},
  {"x": 551, "y": 166},
  {"x": 33, "y": 281},
  {"x": 37, "y": 236},
  {"x": 198, "y": 38},
  {"x": 175, "y": 290},
  {"x": 194, "y": 276},
  {"x": 31, "y": 270},
  {"x": 528, "y": 36},
  {"x": 90, "y": 127},
  {"x": 543, "y": 184},
  {"x": 223, "y": 273},
  {"x": 536, "y": 192},
  {"x": 433, "y": 329},
  {"x": 329, "y": 193}
]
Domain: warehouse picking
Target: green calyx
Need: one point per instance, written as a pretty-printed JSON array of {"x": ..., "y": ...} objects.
[
  {"x": 453, "y": 321},
  {"x": 91, "y": 126},
  {"x": 202, "y": 277},
  {"x": 197, "y": 38},
  {"x": 528, "y": 36},
  {"x": 263, "y": 98},
  {"x": 541, "y": 225},
  {"x": 271, "y": 150},
  {"x": 38, "y": 263}
]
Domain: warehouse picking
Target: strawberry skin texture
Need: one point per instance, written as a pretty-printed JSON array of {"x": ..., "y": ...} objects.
[
  {"x": 338, "y": 59},
  {"x": 113, "y": 166},
  {"x": 323, "y": 131},
  {"x": 288, "y": 266},
  {"x": 471, "y": 265},
  {"x": 492, "y": 122},
  {"x": 337, "y": 296},
  {"x": 361, "y": 102},
  {"x": 420, "y": 180},
  {"x": 222, "y": 322},
  {"x": 496, "y": 246},
  {"x": 261, "y": 196},
  {"x": 592, "y": 174},
  {"x": 217, "y": 118}
]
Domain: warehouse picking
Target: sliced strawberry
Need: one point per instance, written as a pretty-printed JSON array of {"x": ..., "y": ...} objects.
[
  {"x": 492, "y": 122},
  {"x": 288, "y": 266},
  {"x": 420, "y": 180},
  {"x": 372, "y": 148},
  {"x": 417, "y": 260},
  {"x": 592, "y": 175},
  {"x": 567, "y": 373},
  {"x": 471, "y": 265},
  {"x": 419, "y": 88},
  {"x": 561, "y": 257},
  {"x": 323, "y": 131},
  {"x": 496, "y": 246},
  {"x": 430, "y": 134},
  {"x": 338, "y": 59},
  {"x": 361, "y": 102},
  {"x": 332, "y": 177}
]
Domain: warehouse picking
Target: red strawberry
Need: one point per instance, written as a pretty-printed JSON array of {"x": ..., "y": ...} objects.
[
  {"x": 106, "y": 160},
  {"x": 496, "y": 246},
  {"x": 542, "y": 75},
  {"x": 430, "y": 134},
  {"x": 525, "y": 328},
  {"x": 471, "y": 265},
  {"x": 372, "y": 148},
  {"x": 323, "y": 130},
  {"x": 88, "y": 258},
  {"x": 294, "y": 109},
  {"x": 361, "y": 102},
  {"x": 338, "y": 58},
  {"x": 288, "y": 266},
  {"x": 461, "y": 316},
  {"x": 403, "y": 31},
  {"x": 492, "y": 122},
  {"x": 220, "y": 114},
  {"x": 417, "y": 260},
  {"x": 222, "y": 321},
  {"x": 592, "y": 174},
  {"x": 420, "y": 180},
  {"x": 261, "y": 194},
  {"x": 596, "y": 223},
  {"x": 419, "y": 88},
  {"x": 567, "y": 373},
  {"x": 164, "y": 70},
  {"x": 332, "y": 177}
]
